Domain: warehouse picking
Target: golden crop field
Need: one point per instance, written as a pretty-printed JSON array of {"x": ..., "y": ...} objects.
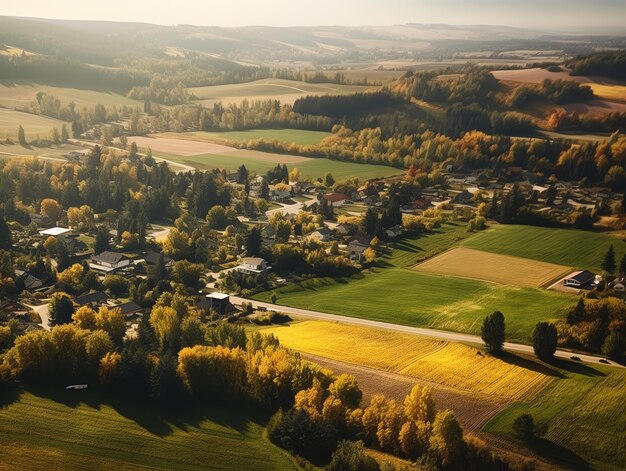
[
  {"x": 609, "y": 92},
  {"x": 449, "y": 364},
  {"x": 504, "y": 269}
]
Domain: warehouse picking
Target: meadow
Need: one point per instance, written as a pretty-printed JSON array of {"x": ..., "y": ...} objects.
[
  {"x": 33, "y": 125},
  {"x": 23, "y": 94},
  {"x": 569, "y": 247},
  {"x": 504, "y": 269},
  {"x": 449, "y": 364},
  {"x": 297, "y": 136},
  {"x": 76, "y": 429},
  {"x": 425, "y": 300},
  {"x": 287, "y": 91},
  {"x": 53, "y": 152},
  {"x": 586, "y": 417}
]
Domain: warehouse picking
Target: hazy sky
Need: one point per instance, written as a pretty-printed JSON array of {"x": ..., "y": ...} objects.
[{"x": 562, "y": 14}]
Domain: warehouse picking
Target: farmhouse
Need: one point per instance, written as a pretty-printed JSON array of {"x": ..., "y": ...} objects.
[
  {"x": 95, "y": 298},
  {"x": 152, "y": 258},
  {"x": 253, "y": 266},
  {"x": 356, "y": 250},
  {"x": 31, "y": 283},
  {"x": 280, "y": 195},
  {"x": 337, "y": 199},
  {"x": 218, "y": 302},
  {"x": 580, "y": 279},
  {"x": 109, "y": 262}
]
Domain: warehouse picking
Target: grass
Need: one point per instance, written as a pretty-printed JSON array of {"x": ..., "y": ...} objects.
[
  {"x": 569, "y": 247},
  {"x": 33, "y": 125},
  {"x": 76, "y": 430},
  {"x": 449, "y": 364},
  {"x": 55, "y": 152},
  {"x": 586, "y": 416},
  {"x": 256, "y": 162},
  {"x": 298, "y": 136},
  {"x": 23, "y": 94},
  {"x": 425, "y": 300},
  {"x": 504, "y": 269}
]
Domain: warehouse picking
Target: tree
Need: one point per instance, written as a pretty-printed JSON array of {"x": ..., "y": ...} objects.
[
  {"x": 544, "y": 341},
  {"x": 613, "y": 346},
  {"x": 578, "y": 313},
  {"x": 346, "y": 389},
  {"x": 609, "y": 264},
  {"x": 101, "y": 243},
  {"x": 447, "y": 439},
  {"x": 159, "y": 271},
  {"x": 21, "y": 136},
  {"x": 187, "y": 273},
  {"x": 329, "y": 180},
  {"x": 525, "y": 428},
  {"x": 60, "y": 309},
  {"x": 64, "y": 134},
  {"x": 253, "y": 242},
  {"x": 419, "y": 405},
  {"x": 116, "y": 285},
  {"x": 51, "y": 208},
  {"x": 370, "y": 221},
  {"x": 350, "y": 456},
  {"x": 242, "y": 174},
  {"x": 165, "y": 385},
  {"x": 5, "y": 235},
  {"x": 622, "y": 265},
  {"x": 493, "y": 332},
  {"x": 63, "y": 256}
]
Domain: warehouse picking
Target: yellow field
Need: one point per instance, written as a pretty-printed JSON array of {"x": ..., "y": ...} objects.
[
  {"x": 609, "y": 92},
  {"x": 453, "y": 365},
  {"x": 504, "y": 269}
]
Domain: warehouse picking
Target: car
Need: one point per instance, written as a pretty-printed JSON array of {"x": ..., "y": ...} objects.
[
  {"x": 77, "y": 386},
  {"x": 575, "y": 358},
  {"x": 604, "y": 360}
]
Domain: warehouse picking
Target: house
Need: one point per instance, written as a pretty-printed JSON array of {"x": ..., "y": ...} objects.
[
  {"x": 253, "y": 266},
  {"x": 336, "y": 199},
  {"x": 129, "y": 309},
  {"x": 218, "y": 302},
  {"x": 152, "y": 258},
  {"x": 95, "y": 298},
  {"x": 77, "y": 247},
  {"x": 41, "y": 220},
  {"x": 323, "y": 234},
  {"x": 356, "y": 249},
  {"x": 395, "y": 231},
  {"x": 345, "y": 229},
  {"x": 55, "y": 232},
  {"x": 304, "y": 187},
  {"x": 30, "y": 282},
  {"x": 580, "y": 279},
  {"x": 109, "y": 261},
  {"x": 280, "y": 195}
]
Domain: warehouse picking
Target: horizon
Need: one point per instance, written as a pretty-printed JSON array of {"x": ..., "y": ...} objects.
[{"x": 575, "y": 16}]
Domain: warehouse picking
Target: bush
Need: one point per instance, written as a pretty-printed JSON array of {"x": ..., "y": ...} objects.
[
  {"x": 525, "y": 428},
  {"x": 350, "y": 456},
  {"x": 298, "y": 433}
]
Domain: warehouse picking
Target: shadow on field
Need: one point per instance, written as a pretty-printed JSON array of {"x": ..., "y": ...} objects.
[
  {"x": 8, "y": 395},
  {"x": 158, "y": 419},
  {"x": 529, "y": 364},
  {"x": 578, "y": 368},
  {"x": 560, "y": 454}
]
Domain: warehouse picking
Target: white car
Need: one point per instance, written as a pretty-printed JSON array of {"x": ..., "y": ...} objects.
[{"x": 77, "y": 386}]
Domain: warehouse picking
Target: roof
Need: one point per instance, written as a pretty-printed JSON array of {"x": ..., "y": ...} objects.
[
  {"x": 152, "y": 258},
  {"x": 55, "y": 231},
  {"x": 253, "y": 260},
  {"x": 335, "y": 197},
  {"x": 582, "y": 277},
  {"x": 216, "y": 295},
  {"x": 89, "y": 298},
  {"x": 109, "y": 257},
  {"x": 128, "y": 308},
  {"x": 323, "y": 231}
]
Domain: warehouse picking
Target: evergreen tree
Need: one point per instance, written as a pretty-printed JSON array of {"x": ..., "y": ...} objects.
[
  {"x": 5, "y": 234},
  {"x": 370, "y": 221},
  {"x": 61, "y": 309},
  {"x": 159, "y": 272},
  {"x": 622, "y": 265},
  {"x": 242, "y": 174},
  {"x": 578, "y": 313},
  {"x": 493, "y": 332},
  {"x": 609, "y": 264},
  {"x": 64, "y": 134},
  {"x": 63, "y": 256},
  {"x": 265, "y": 189},
  {"x": 253, "y": 242},
  {"x": 21, "y": 136},
  {"x": 101, "y": 243},
  {"x": 544, "y": 341}
]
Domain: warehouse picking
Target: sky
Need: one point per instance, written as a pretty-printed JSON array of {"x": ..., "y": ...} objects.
[{"x": 567, "y": 15}]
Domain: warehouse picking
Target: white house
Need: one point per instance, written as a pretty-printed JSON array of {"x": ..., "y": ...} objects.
[
  {"x": 109, "y": 261},
  {"x": 580, "y": 279},
  {"x": 253, "y": 266}
]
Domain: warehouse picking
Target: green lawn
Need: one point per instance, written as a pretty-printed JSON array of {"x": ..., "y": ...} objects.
[
  {"x": 256, "y": 162},
  {"x": 569, "y": 247},
  {"x": 298, "y": 136},
  {"x": 33, "y": 125},
  {"x": 394, "y": 293},
  {"x": 586, "y": 416},
  {"x": 75, "y": 430}
]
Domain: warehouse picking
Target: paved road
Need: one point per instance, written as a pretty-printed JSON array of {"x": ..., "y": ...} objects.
[{"x": 439, "y": 334}]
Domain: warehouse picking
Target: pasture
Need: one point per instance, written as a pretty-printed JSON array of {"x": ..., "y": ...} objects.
[
  {"x": 33, "y": 125},
  {"x": 23, "y": 94},
  {"x": 586, "y": 417},
  {"x": 58, "y": 429},
  {"x": 286, "y": 91},
  {"x": 297, "y": 136},
  {"x": 568, "y": 247},
  {"x": 504, "y": 269},
  {"x": 449, "y": 364},
  {"x": 53, "y": 152}
]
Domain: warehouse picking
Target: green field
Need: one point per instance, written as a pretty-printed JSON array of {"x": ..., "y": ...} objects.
[
  {"x": 54, "y": 152},
  {"x": 33, "y": 124},
  {"x": 298, "y": 136},
  {"x": 287, "y": 91},
  {"x": 257, "y": 162},
  {"x": 569, "y": 247},
  {"x": 20, "y": 95},
  {"x": 586, "y": 416},
  {"x": 425, "y": 300},
  {"x": 75, "y": 430}
]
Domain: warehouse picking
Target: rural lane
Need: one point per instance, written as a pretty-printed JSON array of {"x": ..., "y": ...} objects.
[{"x": 425, "y": 332}]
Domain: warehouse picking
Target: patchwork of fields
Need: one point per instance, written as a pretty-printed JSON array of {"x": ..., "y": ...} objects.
[
  {"x": 297, "y": 136},
  {"x": 43, "y": 432},
  {"x": 449, "y": 364},
  {"x": 504, "y": 269}
]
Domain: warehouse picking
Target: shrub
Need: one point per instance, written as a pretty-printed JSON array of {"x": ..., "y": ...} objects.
[{"x": 350, "y": 456}]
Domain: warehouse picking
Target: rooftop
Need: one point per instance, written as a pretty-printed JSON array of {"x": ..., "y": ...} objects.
[{"x": 55, "y": 231}]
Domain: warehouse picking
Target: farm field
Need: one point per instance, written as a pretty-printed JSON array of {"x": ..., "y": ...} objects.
[
  {"x": 287, "y": 91},
  {"x": 586, "y": 416},
  {"x": 76, "y": 430},
  {"x": 261, "y": 162},
  {"x": 436, "y": 361},
  {"x": 54, "y": 152},
  {"x": 298, "y": 136},
  {"x": 33, "y": 125},
  {"x": 23, "y": 94},
  {"x": 504, "y": 269},
  {"x": 569, "y": 247}
]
